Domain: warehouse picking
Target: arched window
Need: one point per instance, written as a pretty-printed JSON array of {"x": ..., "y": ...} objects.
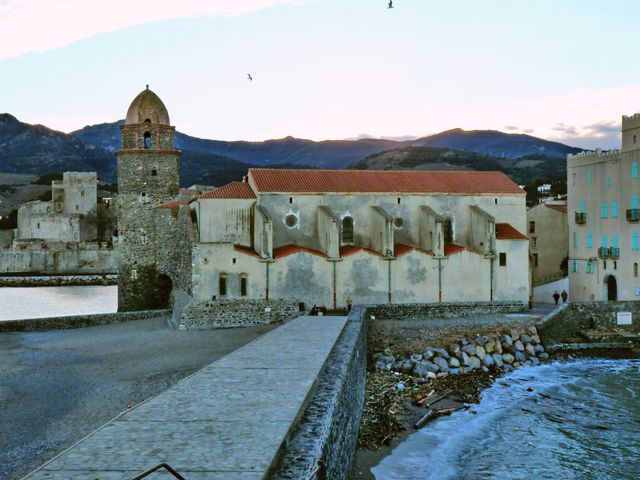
[
  {"x": 147, "y": 140},
  {"x": 447, "y": 229},
  {"x": 243, "y": 285},
  {"x": 347, "y": 230},
  {"x": 604, "y": 209},
  {"x": 614, "y": 209},
  {"x": 634, "y": 169},
  {"x": 635, "y": 269}
]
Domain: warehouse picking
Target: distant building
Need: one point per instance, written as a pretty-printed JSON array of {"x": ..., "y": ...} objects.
[
  {"x": 604, "y": 223},
  {"x": 70, "y": 216},
  {"x": 311, "y": 236},
  {"x": 548, "y": 233}
]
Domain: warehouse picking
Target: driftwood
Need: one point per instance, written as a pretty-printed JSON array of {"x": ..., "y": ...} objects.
[
  {"x": 430, "y": 415},
  {"x": 422, "y": 399},
  {"x": 437, "y": 399}
]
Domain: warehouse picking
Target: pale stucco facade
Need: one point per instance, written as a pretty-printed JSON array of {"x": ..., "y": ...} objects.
[
  {"x": 293, "y": 246},
  {"x": 604, "y": 220},
  {"x": 548, "y": 232}
]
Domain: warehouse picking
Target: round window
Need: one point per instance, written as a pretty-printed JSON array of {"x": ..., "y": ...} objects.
[
  {"x": 291, "y": 220},
  {"x": 398, "y": 222}
]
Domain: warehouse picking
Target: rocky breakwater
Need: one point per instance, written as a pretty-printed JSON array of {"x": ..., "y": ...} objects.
[
  {"x": 506, "y": 351},
  {"x": 454, "y": 371}
]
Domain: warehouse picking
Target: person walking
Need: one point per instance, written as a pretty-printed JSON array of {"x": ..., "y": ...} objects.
[
  {"x": 564, "y": 296},
  {"x": 556, "y": 296},
  {"x": 349, "y": 304}
]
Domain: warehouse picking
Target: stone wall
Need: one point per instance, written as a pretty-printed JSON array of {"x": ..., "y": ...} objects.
[
  {"x": 227, "y": 313},
  {"x": 77, "y": 321},
  {"x": 566, "y": 321},
  {"x": 418, "y": 311},
  {"x": 57, "y": 280},
  {"x": 327, "y": 433}
]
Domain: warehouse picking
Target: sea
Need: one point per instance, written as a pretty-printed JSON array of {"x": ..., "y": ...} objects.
[
  {"x": 39, "y": 302},
  {"x": 577, "y": 419}
]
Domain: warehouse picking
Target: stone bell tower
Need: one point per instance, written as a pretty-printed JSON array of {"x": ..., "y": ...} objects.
[{"x": 148, "y": 176}]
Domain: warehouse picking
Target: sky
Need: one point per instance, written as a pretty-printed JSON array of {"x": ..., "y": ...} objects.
[{"x": 563, "y": 70}]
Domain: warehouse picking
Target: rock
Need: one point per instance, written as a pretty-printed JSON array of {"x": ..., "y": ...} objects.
[
  {"x": 521, "y": 357},
  {"x": 489, "y": 347},
  {"x": 407, "y": 367},
  {"x": 508, "y": 358},
  {"x": 400, "y": 386},
  {"x": 487, "y": 361},
  {"x": 528, "y": 363},
  {"x": 469, "y": 349},
  {"x": 485, "y": 369},
  {"x": 454, "y": 350},
  {"x": 480, "y": 352},
  {"x": 382, "y": 366},
  {"x": 517, "y": 364},
  {"x": 518, "y": 346},
  {"x": 442, "y": 352},
  {"x": 535, "y": 360},
  {"x": 465, "y": 359},
  {"x": 544, "y": 356},
  {"x": 467, "y": 370},
  {"x": 497, "y": 347},
  {"x": 398, "y": 365},
  {"x": 454, "y": 362},
  {"x": 428, "y": 354},
  {"x": 535, "y": 338},
  {"x": 441, "y": 363},
  {"x": 508, "y": 368},
  {"x": 474, "y": 362},
  {"x": 387, "y": 351},
  {"x": 531, "y": 351},
  {"x": 431, "y": 375},
  {"x": 532, "y": 330},
  {"x": 423, "y": 368},
  {"x": 525, "y": 338},
  {"x": 377, "y": 355},
  {"x": 481, "y": 340},
  {"x": 497, "y": 359},
  {"x": 539, "y": 348},
  {"x": 416, "y": 357},
  {"x": 515, "y": 333},
  {"x": 507, "y": 339},
  {"x": 442, "y": 374}
]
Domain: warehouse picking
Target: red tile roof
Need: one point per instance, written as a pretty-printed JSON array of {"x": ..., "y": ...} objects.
[
  {"x": 347, "y": 250},
  {"x": 451, "y": 248},
  {"x": 401, "y": 249},
  {"x": 382, "y": 181},
  {"x": 559, "y": 208},
  {"x": 286, "y": 250},
  {"x": 505, "y": 231},
  {"x": 174, "y": 204},
  {"x": 230, "y": 190}
]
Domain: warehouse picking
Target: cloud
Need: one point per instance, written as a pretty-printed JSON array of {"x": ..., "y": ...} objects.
[
  {"x": 564, "y": 130},
  {"x": 41, "y": 25},
  {"x": 511, "y": 128},
  {"x": 604, "y": 134}
]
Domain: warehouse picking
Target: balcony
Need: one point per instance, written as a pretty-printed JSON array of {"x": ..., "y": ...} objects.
[
  {"x": 633, "y": 214},
  {"x": 614, "y": 252},
  {"x": 581, "y": 217},
  {"x": 604, "y": 252}
]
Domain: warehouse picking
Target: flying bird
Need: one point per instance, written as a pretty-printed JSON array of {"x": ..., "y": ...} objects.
[
  {"x": 390, "y": 4},
  {"x": 249, "y": 77}
]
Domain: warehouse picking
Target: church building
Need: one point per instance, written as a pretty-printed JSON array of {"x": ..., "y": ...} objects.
[{"x": 313, "y": 236}]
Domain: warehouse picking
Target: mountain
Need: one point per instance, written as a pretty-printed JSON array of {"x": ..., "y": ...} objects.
[
  {"x": 36, "y": 149},
  {"x": 522, "y": 170},
  {"x": 497, "y": 144}
]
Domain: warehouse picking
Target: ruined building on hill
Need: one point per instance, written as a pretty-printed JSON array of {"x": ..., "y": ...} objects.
[
  {"x": 70, "y": 234},
  {"x": 312, "y": 236}
]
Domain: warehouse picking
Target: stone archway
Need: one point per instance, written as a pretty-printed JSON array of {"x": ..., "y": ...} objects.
[
  {"x": 164, "y": 288},
  {"x": 611, "y": 288}
]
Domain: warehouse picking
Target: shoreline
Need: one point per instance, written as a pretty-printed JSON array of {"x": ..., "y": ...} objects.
[{"x": 473, "y": 384}]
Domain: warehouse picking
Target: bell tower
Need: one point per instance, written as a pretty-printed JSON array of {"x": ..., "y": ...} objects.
[{"x": 148, "y": 176}]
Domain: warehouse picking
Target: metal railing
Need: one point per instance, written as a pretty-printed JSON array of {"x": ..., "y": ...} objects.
[
  {"x": 581, "y": 217},
  {"x": 604, "y": 252},
  {"x": 614, "y": 252},
  {"x": 167, "y": 467}
]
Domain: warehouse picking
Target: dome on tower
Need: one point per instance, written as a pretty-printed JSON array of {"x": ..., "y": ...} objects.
[{"x": 147, "y": 106}]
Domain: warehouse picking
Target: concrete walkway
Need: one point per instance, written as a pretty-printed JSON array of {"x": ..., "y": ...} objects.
[{"x": 225, "y": 422}]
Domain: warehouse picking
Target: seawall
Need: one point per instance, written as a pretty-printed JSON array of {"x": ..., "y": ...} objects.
[
  {"x": 57, "y": 280},
  {"x": 77, "y": 321}
]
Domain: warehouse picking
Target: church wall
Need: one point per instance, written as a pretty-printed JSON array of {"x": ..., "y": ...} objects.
[
  {"x": 466, "y": 277},
  {"x": 415, "y": 278},
  {"x": 512, "y": 282},
  {"x": 509, "y": 209},
  {"x": 225, "y": 220}
]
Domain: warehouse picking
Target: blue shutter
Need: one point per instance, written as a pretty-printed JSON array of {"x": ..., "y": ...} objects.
[
  {"x": 604, "y": 241},
  {"x": 614, "y": 241},
  {"x": 635, "y": 244},
  {"x": 589, "y": 177},
  {"x": 589, "y": 240},
  {"x": 634, "y": 170},
  {"x": 582, "y": 207},
  {"x": 604, "y": 209},
  {"x": 634, "y": 200},
  {"x": 575, "y": 239},
  {"x": 614, "y": 209}
]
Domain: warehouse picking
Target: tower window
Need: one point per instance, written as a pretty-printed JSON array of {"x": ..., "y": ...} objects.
[
  {"x": 143, "y": 194},
  {"x": 38, "y": 224},
  {"x": 495, "y": 200},
  {"x": 635, "y": 269},
  {"x": 535, "y": 259},
  {"x": 532, "y": 227},
  {"x": 77, "y": 208},
  {"x": 290, "y": 199},
  {"x": 82, "y": 193},
  {"x": 503, "y": 259},
  {"x": 154, "y": 173},
  {"x": 233, "y": 260},
  {"x": 147, "y": 140},
  {"x": 634, "y": 139},
  {"x": 398, "y": 200}
]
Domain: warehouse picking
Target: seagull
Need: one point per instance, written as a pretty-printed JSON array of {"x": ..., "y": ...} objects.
[
  {"x": 249, "y": 77},
  {"x": 390, "y": 4}
]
